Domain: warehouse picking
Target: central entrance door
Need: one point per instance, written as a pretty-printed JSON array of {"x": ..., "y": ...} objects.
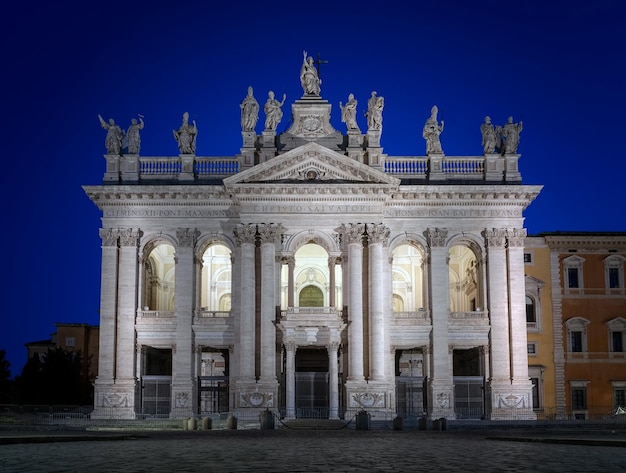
[{"x": 311, "y": 383}]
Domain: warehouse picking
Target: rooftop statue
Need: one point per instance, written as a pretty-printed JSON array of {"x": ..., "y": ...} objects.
[
  {"x": 186, "y": 136},
  {"x": 273, "y": 112},
  {"x": 374, "y": 113},
  {"x": 510, "y": 133},
  {"x": 348, "y": 113},
  {"x": 249, "y": 112},
  {"x": 309, "y": 78},
  {"x": 431, "y": 133},
  {"x": 490, "y": 136},
  {"x": 132, "y": 135},
  {"x": 113, "y": 140}
]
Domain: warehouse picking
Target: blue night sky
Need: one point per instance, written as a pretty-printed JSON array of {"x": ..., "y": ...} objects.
[{"x": 557, "y": 65}]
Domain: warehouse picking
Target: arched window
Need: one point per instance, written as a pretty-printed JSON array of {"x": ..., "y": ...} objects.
[
  {"x": 531, "y": 315},
  {"x": 311, "y": 296},
  {"x": 407, "y": 279},
  {"x": 159, "y": 278},
  {"x": 464, "y": 279},
  {"x": 216, "y": 279}
]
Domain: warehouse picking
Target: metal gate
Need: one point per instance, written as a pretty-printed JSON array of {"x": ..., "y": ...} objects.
[
  {"x": 156, "y": 395},
  {"x": 410, "y": 399},
  {"x": 312, "y": 395},
  {"x": 212, "y": 394},
  {"x": 469, "y": 397}
]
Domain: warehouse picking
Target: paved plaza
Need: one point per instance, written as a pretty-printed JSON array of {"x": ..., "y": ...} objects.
[{"x": 284, "y": 450}]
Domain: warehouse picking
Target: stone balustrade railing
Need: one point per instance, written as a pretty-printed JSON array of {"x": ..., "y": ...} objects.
[{"x": 492, "y": 168}]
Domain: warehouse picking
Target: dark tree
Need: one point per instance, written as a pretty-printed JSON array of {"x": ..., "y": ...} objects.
[
  {"x": 55, "y": 379},
  {"x": 5, "y": 379}
]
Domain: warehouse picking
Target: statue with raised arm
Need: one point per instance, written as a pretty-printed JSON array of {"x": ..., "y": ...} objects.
[
  {"x": 309, "y": 78},
  {"x": 132, "y": 135},
  {"x": 431, "y": 133},
  {"x": 113, "y": 140},
  {"x": 348, "y": 113},
  {"x": 186, "y": 136},
  {"x": 510, "y": 133},
  {"x": 249, "y": 112},
  {"x": 489, "y": 136},
  {"x": 273, "y": 112}
]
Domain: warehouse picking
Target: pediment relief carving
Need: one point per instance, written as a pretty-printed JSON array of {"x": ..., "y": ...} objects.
[{"x": 310, "y": 163}]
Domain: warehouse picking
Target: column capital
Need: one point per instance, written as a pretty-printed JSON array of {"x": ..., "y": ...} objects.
[
  {"x": 187, "y": 237},
  {"x": 270, "y": 233},
  {"x": 351, "y": 232},
  {"x": 109, "y": 236},
  {"x": 495, "y": 237},
  {"x": 129, "y": 237},
  {"x": 245, "y": 233},
  {"x": 333, "y": 346},
  {"x": 378, "y": 233},
  {"x": 437, "y": 236},
  {"x": 515, "y": 237}
]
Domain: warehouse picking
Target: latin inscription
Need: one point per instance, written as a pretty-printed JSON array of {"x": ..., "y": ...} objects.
[
  {"x": 313, "y": 208},
  {"x": 395, "y": 213},
  {"x": 165, "y": 213}
]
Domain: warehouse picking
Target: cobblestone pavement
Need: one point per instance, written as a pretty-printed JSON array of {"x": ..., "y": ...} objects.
[{"x": 309, "y": 451}]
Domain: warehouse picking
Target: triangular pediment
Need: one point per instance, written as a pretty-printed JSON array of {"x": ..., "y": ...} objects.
[{"x": 311, "y": 163}]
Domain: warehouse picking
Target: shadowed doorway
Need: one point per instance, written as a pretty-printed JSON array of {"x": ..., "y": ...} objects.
[{"x": 311, "y": 383}]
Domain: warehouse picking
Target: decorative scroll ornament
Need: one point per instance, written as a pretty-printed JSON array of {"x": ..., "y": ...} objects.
[
  {"x": 437, "y": 236},
  {"x": 378, "y": 233},
  {"x": 114, "y": 400},
  {"x": 369, "y": 399},
  {"x": 270, "y": 233},
  {"x": 443, "y": 400},
  {"x": 511, "y": 402},
  {"x": 257, "y": 399},
  {"x": 495, "y": 237},
  {"x": 187, "y": 236},
  {"x": 516, "y": 236},
  {"x": 245, "y": 233}
]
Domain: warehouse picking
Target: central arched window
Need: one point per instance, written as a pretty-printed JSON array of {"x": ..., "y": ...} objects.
[
  {"x": 465, "y": 278},
  {"x": 407, "y": 279},
  {"x": 311, "y": 296}
]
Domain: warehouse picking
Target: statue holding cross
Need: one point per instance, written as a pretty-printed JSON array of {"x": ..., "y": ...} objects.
[{"x": 309, "y": 77}]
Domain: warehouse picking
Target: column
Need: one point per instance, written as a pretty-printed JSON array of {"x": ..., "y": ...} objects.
[
  {"x": 517, "y": 321},
  {"x": 440, "y": 381},
  {"x": 333, "y": 380},
  {"x": 127, "y": 306},
  {"x": 498, "y": 303},
  {"x": 377, "y": 236},
  {"x": 269, "y": 236},
  {"x": 291, "y": 264},
  {"x": 353, "y": 237},
  {"x": 183, "y": 376},
  {"x": 332, "y": 289},
  {"x": 290, "y": 380},
  {"x": 108, "y": 322},
  {"x": 246, "y": 237}
]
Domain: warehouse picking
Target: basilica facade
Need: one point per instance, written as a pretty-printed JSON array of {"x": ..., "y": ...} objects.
[{"x": 312, "y": 274}]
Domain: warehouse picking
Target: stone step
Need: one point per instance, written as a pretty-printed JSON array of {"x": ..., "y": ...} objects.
[{"x": 314, "y": 424}]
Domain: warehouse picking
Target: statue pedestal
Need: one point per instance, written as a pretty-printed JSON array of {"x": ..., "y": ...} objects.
[
  {"x": 494, "y": 167},
  {"x": 511, "y": 173},
  {"x": 112, "y": 173}
]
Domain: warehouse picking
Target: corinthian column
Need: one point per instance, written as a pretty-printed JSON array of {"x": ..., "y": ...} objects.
[
  {"x": 184, "y": 375},
  {"x": 245, "y": 234},
  {"x": 269, "y": 236},
  {"x": 352, "y": 235},
  {"x": 440, "y": 381},
  {"x": 498, "y": 305},
  {"x": 519, "y": 355},
  {"x": 378, "y": 236}
]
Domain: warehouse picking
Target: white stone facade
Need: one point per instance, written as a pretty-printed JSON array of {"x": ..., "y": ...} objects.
[{"x": 347, "y": 280}]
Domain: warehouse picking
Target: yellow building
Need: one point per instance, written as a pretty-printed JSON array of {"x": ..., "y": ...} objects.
[
  {"x": 586, "y": 315},
  {"x": 540, "y": 326}
]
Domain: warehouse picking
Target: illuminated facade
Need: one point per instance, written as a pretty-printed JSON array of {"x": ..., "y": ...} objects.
[{"x": 313, "y": 275}]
